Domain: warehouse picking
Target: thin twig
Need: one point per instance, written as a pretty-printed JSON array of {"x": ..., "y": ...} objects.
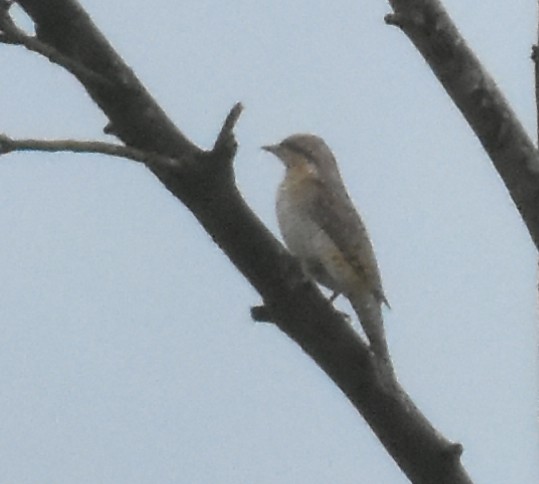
[{"x": 8, "y": 145}]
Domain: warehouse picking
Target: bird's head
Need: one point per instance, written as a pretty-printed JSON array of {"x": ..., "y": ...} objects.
[{"x": 308, "y": 153}]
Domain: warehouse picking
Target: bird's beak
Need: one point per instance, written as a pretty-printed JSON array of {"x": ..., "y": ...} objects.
[{"x": 271, "y": 148}]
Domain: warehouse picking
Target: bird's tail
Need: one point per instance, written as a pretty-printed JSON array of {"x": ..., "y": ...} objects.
[{"x": 369, "y": 311}]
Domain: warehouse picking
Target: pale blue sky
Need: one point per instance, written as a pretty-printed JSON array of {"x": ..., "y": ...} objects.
[{"x": 127, "y": 350}]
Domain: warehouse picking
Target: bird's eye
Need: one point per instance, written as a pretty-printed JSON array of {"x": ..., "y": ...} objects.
[
  {"x": 304, "y": 152},
  {"x": 311, "y": 159}
]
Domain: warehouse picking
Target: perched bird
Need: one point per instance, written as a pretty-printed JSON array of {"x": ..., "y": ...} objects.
[{"x": 321, "y": 227}]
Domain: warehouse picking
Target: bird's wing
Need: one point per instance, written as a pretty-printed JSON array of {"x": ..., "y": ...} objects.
[{"x": 337, "y": 217}]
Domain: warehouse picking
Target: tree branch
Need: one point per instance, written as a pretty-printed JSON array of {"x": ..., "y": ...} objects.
[
  {"x": 8, "y": 145},
  {"x": 226, "y": 135},
  {"x": 134, "y": 115},
  {"x": 11, "y": 34},
  {"x": 476, "y": 95},
  {"x": 535, "y": 58}
]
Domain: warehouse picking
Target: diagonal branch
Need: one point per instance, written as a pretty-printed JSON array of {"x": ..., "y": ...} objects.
[
  {"x": 11, "y": 34},
  {"x": 134, "y": 116},
  {"x": 476, "y": 95}
]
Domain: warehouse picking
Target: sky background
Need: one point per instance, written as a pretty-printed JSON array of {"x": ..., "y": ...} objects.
[{"x": 127, "y": 352}]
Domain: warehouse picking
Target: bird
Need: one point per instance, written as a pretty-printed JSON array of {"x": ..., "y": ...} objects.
[{"x": 322, "y": 229}]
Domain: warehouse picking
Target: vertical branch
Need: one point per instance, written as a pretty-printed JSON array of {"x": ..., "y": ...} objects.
[{"x": 535, "y": 58}]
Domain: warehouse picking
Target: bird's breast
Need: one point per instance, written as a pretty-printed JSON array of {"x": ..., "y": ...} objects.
[
  {"x": 303, "y": 236},
  {"x": 293, "y": 212}
]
